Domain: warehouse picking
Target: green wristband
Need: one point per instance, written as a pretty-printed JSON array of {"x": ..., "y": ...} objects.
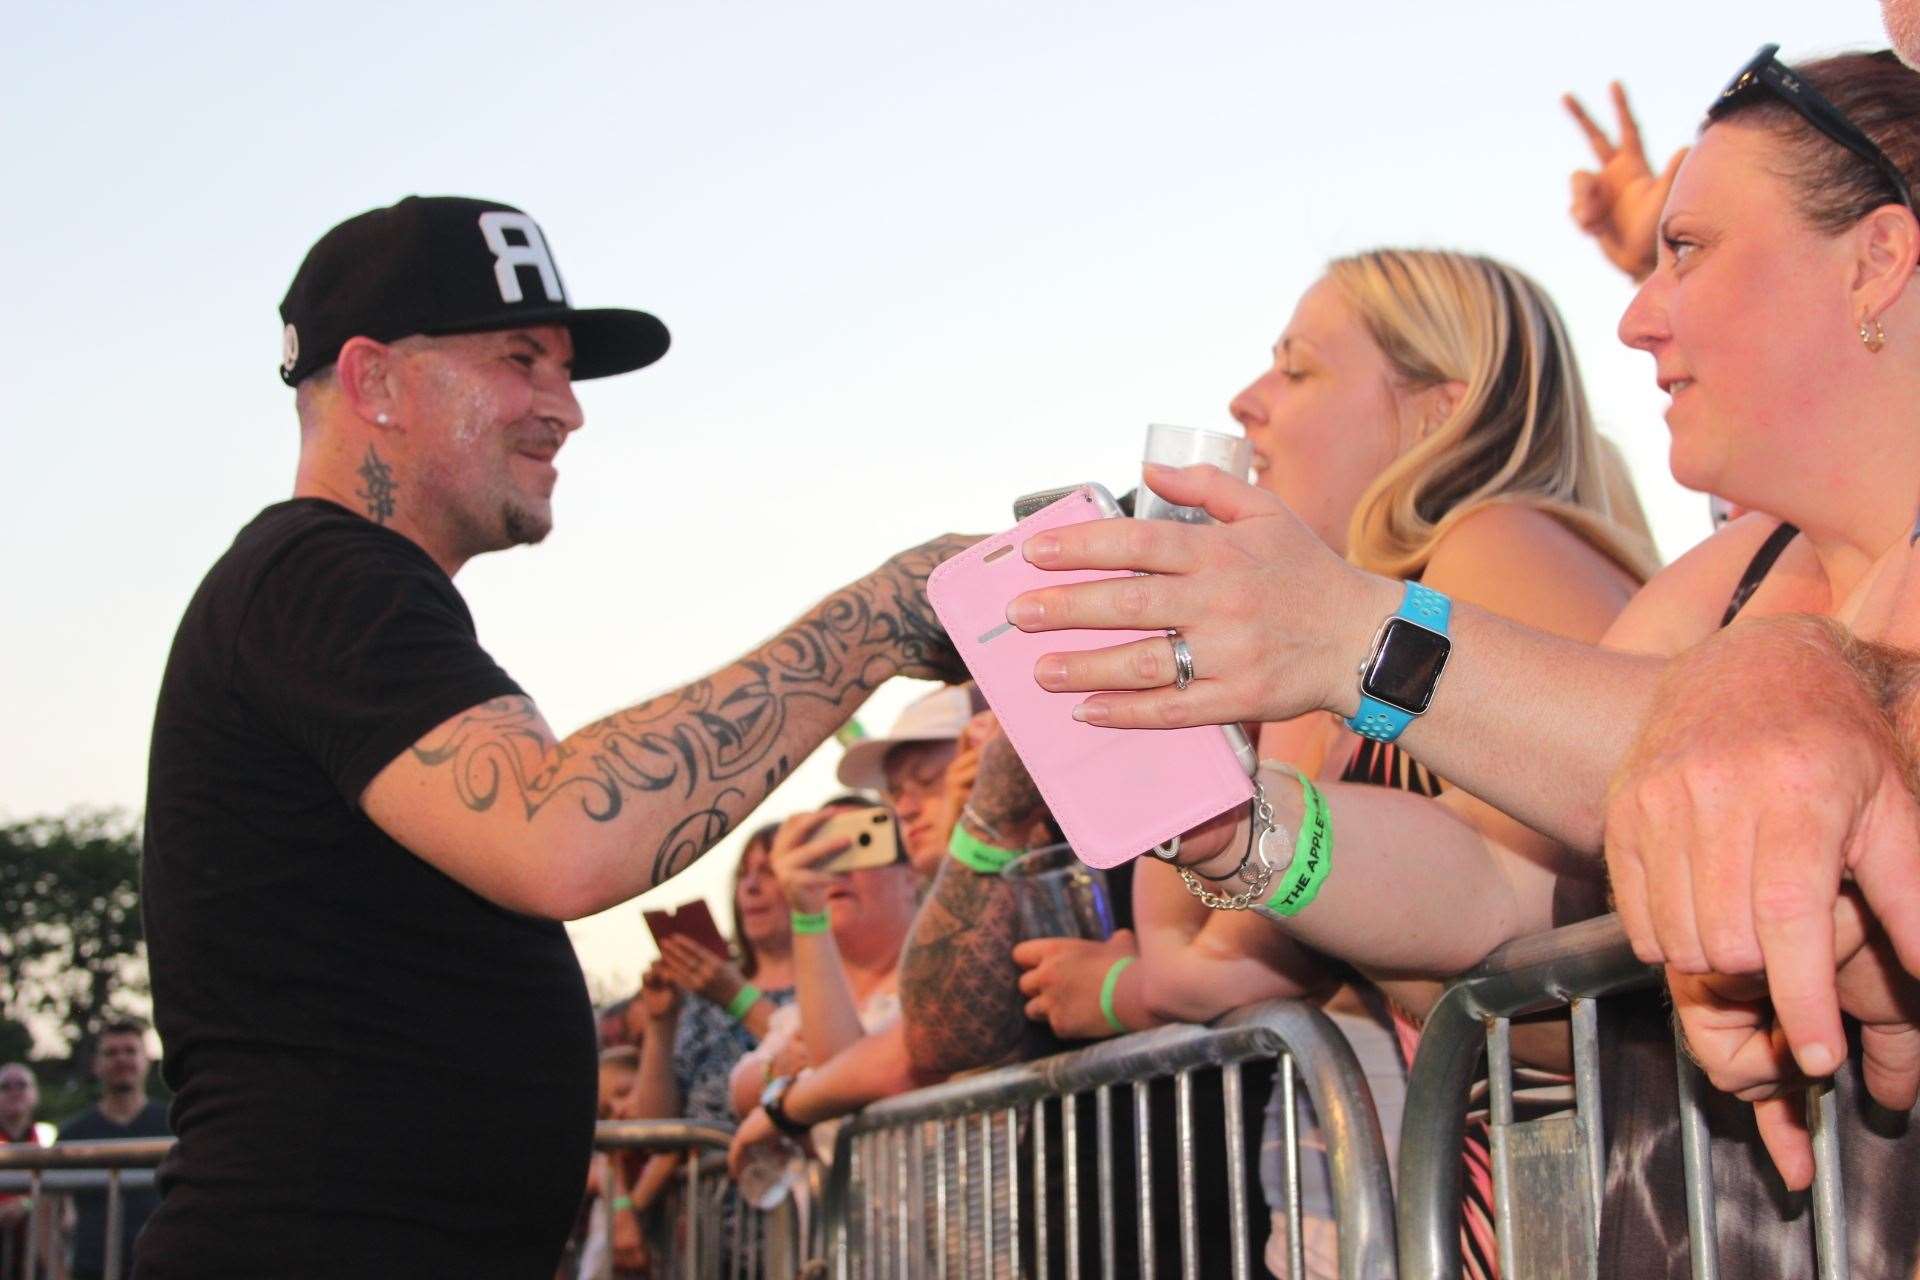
[
  {"x": 623, "y": 1204},
  {"x": 1300, "y": 883},
  {"x": 745, "y": 999},
  {"x": 971, "y": 851},
  {"x": 811, "y": 921},
  {"x": 1107, "y": 989}
]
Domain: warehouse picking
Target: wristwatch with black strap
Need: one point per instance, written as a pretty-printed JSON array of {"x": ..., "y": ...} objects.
[{"x": 771, "y": 1099}]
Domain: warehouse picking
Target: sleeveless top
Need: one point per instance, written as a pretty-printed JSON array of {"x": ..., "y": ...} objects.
[{"x": 1763, "y": 1230}]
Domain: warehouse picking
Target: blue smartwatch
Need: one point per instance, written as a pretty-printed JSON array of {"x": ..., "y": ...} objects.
[{"x": 1409, "y": 653}]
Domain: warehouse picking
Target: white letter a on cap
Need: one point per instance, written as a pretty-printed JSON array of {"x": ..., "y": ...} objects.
[{"x": 494, "y": 225}]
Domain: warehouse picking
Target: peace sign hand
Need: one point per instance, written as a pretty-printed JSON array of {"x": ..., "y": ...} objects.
[{"x": 1620, "y": 204}]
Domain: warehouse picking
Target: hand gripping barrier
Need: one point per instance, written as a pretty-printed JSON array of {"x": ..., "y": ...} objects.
[
  {"x": 930, "y": 1184},
  {"x": 700, "y": 1229},
  {"x": 1574, "y": 966}
]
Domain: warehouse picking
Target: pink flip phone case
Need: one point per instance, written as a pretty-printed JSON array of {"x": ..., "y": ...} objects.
[{"x": 1115, "y": 792}]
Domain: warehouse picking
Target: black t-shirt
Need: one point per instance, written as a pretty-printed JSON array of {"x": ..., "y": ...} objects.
[
  {"x": 377, "y": 1072},
  {"x": 90, "y": 1207}
]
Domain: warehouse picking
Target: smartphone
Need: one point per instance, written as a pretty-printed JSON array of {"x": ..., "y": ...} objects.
[
  {"x": 1108, "y": 506},
  {"x": 690, "y": 920},
  {"x": 1115, "y": 792},
  {"x": 875, "y": 840}
]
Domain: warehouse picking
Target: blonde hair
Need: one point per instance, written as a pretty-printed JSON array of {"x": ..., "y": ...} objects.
[{"x": 1521, "y": 432}]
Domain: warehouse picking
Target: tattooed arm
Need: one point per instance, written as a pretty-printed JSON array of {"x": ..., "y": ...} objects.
[
  {"x": 563, "y": 828},
  {"x": 960, "y": 995}
]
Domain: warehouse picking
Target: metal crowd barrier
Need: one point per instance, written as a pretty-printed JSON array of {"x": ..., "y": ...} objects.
[
  {"x": 955, "y": 1150},
  {"x": 701, "y": 1229},
  {"x": 113, "y": 1165},
  {"x": 1557, "y": 1158}
]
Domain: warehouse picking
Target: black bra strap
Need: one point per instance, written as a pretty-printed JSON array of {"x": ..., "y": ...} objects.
[{"x": 1758, "y": 568}]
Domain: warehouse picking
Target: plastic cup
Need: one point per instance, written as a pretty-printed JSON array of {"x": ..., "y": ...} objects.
[
  {"x": 1059, "y": 896},
  {"x": 1186, "y": 447}
]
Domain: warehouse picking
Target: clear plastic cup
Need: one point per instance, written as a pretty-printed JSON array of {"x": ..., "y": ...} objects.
[
  {"x": 769, "y": 1173},
  {"x": 1058, "y": 896},
  {"x": 1186, "y": 447}
]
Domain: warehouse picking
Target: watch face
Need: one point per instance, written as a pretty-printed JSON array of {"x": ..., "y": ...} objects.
[{"x": 1408, "y": 663}]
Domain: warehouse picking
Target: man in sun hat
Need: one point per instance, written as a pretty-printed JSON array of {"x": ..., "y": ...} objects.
[
  {"x": 362, "y": 835},
  {"x": 910, "y": 764}
]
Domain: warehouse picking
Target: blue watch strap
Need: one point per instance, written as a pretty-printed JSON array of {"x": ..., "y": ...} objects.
[{"x": 1382, "y": 721}]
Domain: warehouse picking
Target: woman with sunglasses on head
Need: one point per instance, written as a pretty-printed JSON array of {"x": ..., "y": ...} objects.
[
  {"x": 1782, "y": 317},
  {"x": 1424, "y": 413}
]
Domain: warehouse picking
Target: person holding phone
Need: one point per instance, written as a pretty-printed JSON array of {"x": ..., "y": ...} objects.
[{"x": 363, "y": 835}]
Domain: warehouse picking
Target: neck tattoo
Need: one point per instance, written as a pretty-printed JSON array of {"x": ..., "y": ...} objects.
[{"x": 378, "y": 495}]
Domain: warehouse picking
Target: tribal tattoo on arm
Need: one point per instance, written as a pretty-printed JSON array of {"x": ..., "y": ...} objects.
[
  {"x": 706, "y": 754},
  {"x": 960, "y": 998}
]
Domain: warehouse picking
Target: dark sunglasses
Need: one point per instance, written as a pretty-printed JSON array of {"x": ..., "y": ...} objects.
[{"x": 1767, "y": 74}]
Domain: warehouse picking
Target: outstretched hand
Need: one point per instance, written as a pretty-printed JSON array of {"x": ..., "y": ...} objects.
[
  {"x": 1275, "y": 619},
  {"x": 1619, "y": 204}
]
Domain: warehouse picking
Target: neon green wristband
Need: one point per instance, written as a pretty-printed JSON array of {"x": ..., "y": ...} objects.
[
  {"x": 811, "y": 921},
  {"x": 971, "y": 851},
  {"x": 1107, "y": 989},
  {"x": 745, "y": 999},
  {"x": 1300, "y": 883},
  {"x": 623, "y": 1204}
]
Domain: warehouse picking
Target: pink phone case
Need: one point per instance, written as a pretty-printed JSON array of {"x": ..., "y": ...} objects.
[{"x": 1115, "y": 792}]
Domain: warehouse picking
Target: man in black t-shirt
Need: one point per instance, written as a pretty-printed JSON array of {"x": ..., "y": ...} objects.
[
  {"x": 362, "y": 835},
  {"x": 124, "y": 1111}
]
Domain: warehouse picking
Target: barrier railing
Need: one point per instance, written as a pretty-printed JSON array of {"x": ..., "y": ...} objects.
[
  {"x": 956, "y": 1150},
  {"x": 1574, "y": 966},
  {"x": 700, "y": 1229},
  {"x": 112, "y": 1165}
]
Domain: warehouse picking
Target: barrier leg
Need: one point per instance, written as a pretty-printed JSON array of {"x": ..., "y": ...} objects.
[
  {"x": 1103, "y": 1154},
  {"x": 1829, "y": 1202},
  {"x": 1586, "y": 1094},
  {"x": 1500, "y": 1085},
  {"x": 1040, "y": 1189},
  {"x": 1189, "y": 1218},
  {"x": 1231, "y": 1088},
  {"x": 1702, "y": 1230},
  {"x": 1143, "y": 1163},
  {"x": 986, "y": 1190},
  {"x": 1296, "y": 1236},
  {"x": 1013, "y": 1193},
  {"x": 37, "y": 1206}
]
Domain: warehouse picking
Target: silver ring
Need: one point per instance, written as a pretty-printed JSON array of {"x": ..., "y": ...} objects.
[{"x": 1182, "y": 660}]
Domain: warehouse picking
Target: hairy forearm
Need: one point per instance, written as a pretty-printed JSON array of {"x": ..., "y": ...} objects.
[
  {"x": 959, "y": 988},
  {"x": 629, "y": 801}
]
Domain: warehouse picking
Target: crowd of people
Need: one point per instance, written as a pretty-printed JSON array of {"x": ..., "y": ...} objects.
[
  {"x": 68, "y": 1239},
  {"x": 362, "y": 833},
  {"x": 1424, "y": 420}
]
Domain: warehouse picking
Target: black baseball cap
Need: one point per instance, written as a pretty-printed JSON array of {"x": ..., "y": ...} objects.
[{"x": 446, "y": 264}]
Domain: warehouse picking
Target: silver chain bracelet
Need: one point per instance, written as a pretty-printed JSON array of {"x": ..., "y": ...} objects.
[{"x": 1256, "y": 870}]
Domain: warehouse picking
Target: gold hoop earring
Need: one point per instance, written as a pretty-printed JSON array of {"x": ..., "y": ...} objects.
[{"x": 1875, "y": 339}]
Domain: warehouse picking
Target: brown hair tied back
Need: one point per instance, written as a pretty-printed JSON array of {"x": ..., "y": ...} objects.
[{"x": 1833, "y": 187}]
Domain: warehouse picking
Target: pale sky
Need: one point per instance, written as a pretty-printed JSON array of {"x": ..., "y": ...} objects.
[{"x": 916, "y": 259}]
